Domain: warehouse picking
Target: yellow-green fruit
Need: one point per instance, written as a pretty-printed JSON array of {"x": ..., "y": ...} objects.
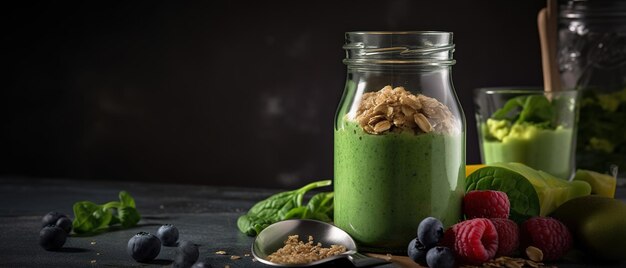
[
  {"x": 598, "y": 225},
  {"x": 601, "y": 184}
]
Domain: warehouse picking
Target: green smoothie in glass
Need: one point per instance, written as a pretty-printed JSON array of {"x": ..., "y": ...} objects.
[
  {"x": 530, "y": 127},
  {"x": 398, "y": 160}
]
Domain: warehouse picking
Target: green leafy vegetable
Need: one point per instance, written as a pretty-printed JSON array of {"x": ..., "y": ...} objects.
[
  {"x": 287, "y": 205},
  {"x": 509, "y": 107},
  {"x": 91, "y": 218},
  {"x": 126, "y": 199},
  {"x": 527, "y": 109},
  {"x": 128, "y": 216},
  {"x": 320, "y": 207}
]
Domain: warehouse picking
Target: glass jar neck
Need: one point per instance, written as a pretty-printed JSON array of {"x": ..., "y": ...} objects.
[{"x": 398, "y": 50}]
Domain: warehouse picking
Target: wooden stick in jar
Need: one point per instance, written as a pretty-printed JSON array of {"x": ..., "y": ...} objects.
[{"x": 547, "y": 25}]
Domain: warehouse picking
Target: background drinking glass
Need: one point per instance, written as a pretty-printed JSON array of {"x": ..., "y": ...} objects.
[{"x": 529, "y": 126}]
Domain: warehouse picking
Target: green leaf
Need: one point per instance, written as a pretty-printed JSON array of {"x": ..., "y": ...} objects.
[
  {"x": 322, "y": 203},
  {"x": 128, "y": 216},
  {"x": 275, "y": 208},
  {"x": 508, "y": 108},
  {"x": 126, "y": 199},
  {"x": 89, "y": 217},
  {"x": 275, "y": 202},
  {"x": 537, "y": 109},
  {"x": 320, "y": 207},
  {"x": 115, "y": 219},
  {"x": 522, "y": 195},
  {"x": 251, "y": 225},
  {"x": 297, "y": 213}
]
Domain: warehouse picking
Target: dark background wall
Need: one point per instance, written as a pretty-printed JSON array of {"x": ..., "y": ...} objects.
[{"x": 218, "y": 92}]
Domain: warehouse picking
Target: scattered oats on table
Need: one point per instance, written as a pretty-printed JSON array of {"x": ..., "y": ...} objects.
[
  {"x": 220, "y": 252},
  {"x": 510, "y": 262}
]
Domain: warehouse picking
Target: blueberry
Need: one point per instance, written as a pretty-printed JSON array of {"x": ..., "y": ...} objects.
[
  {"x": 51, "y": 218},
  {"x": 440, "y": 257},
  {"x": 429, "y": 232},
  {"x": 186, "y": 255},
  {"x": 65, "y": 224},
  {"x": 417, "y": 252},
  {"x": 201, "y": 265},
  {"x": 52, "y": 237},
  {"x": 144, "y": 247},
  {"x": 168, "y": 234}
]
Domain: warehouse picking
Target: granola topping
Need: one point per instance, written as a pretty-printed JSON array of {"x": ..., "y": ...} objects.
[{"x": 398, "y": 110}]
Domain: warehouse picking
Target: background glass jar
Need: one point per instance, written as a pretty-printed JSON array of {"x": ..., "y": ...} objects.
[
  {"x": 592, "y": 58},
  {"x": 399, "y": 138}
]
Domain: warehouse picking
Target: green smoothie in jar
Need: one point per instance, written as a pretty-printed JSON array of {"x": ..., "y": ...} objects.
[{"x": 399, "y": 139}]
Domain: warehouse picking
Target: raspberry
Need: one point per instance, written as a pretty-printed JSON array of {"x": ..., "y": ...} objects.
[
  {"x": 486, "y": 204},
  {"x": 547, "y": 234},
  {"x": 473, "y": 241},
  {"x": 508, "y": 236}
]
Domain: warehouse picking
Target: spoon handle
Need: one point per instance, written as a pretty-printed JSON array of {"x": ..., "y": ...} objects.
[{"x": 360, "y": 260}]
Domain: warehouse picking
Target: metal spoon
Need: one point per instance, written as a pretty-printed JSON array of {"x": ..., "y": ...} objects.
[{"x": 272, "y": 238}]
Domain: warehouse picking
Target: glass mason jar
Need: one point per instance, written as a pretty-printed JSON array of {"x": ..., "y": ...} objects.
[
  {"x": 399, "y": 138},
  {"x": 592, "y": 58}
]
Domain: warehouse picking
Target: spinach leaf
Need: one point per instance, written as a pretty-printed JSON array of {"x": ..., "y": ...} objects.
[
  {"x": 508, "y": 108},
  {"x": 251, "y": 225},
  {"x": 126, "y": 200},
  {"x": 91, "y": 218},
  {"x": 128, "y": 216},
  {"x": 115, "y": 219},
  {"x": 278, "y": 207},
  {"x": 322, "y": 204},
  {"x": 537, "y": 109},
  {"x": 320, "y": 207},
  {"x": 522, "y": 195},
  {"x": 297, "y": 213}
]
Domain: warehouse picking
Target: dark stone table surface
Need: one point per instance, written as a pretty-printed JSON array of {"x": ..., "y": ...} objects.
[{"x": 205, "y": 215}]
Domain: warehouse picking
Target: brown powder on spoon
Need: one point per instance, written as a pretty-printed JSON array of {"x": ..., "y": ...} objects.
[{"x": 298, "y": 252}]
